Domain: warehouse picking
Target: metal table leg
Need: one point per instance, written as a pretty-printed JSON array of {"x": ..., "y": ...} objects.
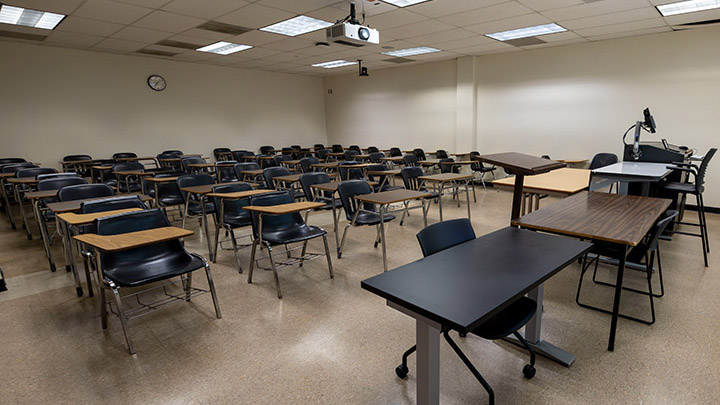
[
  {"x": 43, "y": 234},
  {"x": 616, "y": 301},
  {"x": 22, "y": 212},
  {"x": 382, "y": 210},
  {"x": 205, "y": 225},
  {"x": 71, "y": 256}
]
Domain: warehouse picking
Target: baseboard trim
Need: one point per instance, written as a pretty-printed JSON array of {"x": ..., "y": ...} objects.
[{"x": 712, "y": 210}]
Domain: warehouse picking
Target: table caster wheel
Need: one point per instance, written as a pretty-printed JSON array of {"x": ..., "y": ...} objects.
[
  {"x": 529, "y": 371},
  {"x": 79, "y": 291},
  {"x": 401, "y": 371},
  {"x": 52, "y": 267}
]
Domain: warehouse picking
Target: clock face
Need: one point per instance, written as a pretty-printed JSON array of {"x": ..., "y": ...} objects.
[{"x": 156, "y": 82}]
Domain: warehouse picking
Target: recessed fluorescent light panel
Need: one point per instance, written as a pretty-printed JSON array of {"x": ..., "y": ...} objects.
[
  {"x": 691, "y": 6},
  {"x": 334, "y": 64},
  {"x": 404, "y": 3},
  {"x": 29, "y": 18},
  {"x": 297, "y": 26},
  {"x": 223, "y": 48},
  {"x": 402, "y": 53},
  {"x": 527, "y": 32}
]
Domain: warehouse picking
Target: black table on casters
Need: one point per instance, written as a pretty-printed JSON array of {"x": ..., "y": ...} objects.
[{"x": 463, "y": 286}]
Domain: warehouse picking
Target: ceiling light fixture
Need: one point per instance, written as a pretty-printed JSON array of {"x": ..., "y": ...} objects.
[
  {"x": 401, "y": 53},
  {"x": 29, "y": 18},
  {"x": 297, "y": 26},
  {"x": 223, "y": 48},
  {"x": 691, "y": 6},
  {"x": 404, "y": 3},
  {"x": 527, "y": 32},
  {"x": 334, "y": 64}
]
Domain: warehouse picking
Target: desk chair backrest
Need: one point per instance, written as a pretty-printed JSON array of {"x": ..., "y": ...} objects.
[
  {"x": 221, "y": 153},
  {"x": 700, "y": 180},
  {"x": 379, "y": 178},
  {"x": 322, "y": 154},
  {"x": 306, "y": 164},
  {"x": 477, "y": 165},
  {"x": 192, "y": 160},
  {"x": 650, "y": 241},
  {"x": 337, "y": 148},
  {"x": 602, "y": 160},
  {"x": 410, "y": 176},
  {"x": 350, "y": 154},
  {"x": 231, "y": 207},
  {"x": 318, "y": 146},
  {"x": 75, "y": 158},
  {"x": 226, "y": 171},
  {"x": 448, "y": 168},
  {"x": 266, "y": 150},
  {"x": 348, "y": 190},
  {"x": 275, "y": 223},
  {"x": 15, "y": 167},
  {"x": 173, "y": 152},
  {"x": 238, "y": 154},
  {"x": 372, "y": 149},
  {"x": 287, "y": 151},
  {"x": 354, "y": 173},
  {"x": 355, "y": 147},
  {"x": 295, "y": 147},
  {"x": 128, "y": 166},
  {"x": 83, "y": 191},
  {"x": 410, "y": 160},
  {"x": 272, "y": 172},
  {"x": 282, "y": 158},
  {"x": 444, "y": 235},
  {"x": 241, "y": 167},
  {"x": 59, "y": 182},
  {"x": 123, "y": 155},
  {"x": 376, "y": 156},
  {"x": 308, "y": 179},
  {"x": 11, "y": 160},
  {"x": 395, "y": 152},
  {"x": 191, "y": 180},
  {"x": 111, "y": 204},
  {"x": 34, "y": 172},
  {"x": 419, "y": 153},
  {"x": 49, "y": 176},
  {"x": 171, "y": 155},
  {"x": 168, "y": 193},
  {"x": 441, "y": 154}
]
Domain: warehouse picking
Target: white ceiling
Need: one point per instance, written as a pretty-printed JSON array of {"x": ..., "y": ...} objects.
[{"x": 457, "y": 27}]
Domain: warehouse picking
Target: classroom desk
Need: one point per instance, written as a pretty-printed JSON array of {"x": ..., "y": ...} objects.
[
  {"x": 6, "y": 201},
  {"x": 385, "y": 198},
  {"x": 629, "y": 172},
  {"x": 131, "y": 240},
  {"x": 577, "y": 162},
  {"x": 201, "y": 192},
  {"x": 444, "y": 178},
  {"x": 290, "y": 164},
  {"x": 254, "y": 173},
  {"x": 16, "y": 184},
  {"x": 332, "y": 188},
  {"x": 521, "y": 165},
  {"x": 561, "y": 182},
  {"x": 394, "y": 160},
  {"x": 326, "y": 166},
  {"x": 101, "y": 169},
  {"x": 156, "y": 181},
  {"x": 391, "y": 173},
  {"x": 293, "y": 179},
  {"x": 35, "y": 197},
  {"x": 620, "y": 220},
  {"x": 152, "y": 159},
  {"x": 463, "y": 286},
  {"x": 124, "y": 175},
  {"x": 72, "y": 220}
]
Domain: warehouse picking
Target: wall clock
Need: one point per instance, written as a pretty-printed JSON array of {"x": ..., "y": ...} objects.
[{"x": 156, "y": 82}]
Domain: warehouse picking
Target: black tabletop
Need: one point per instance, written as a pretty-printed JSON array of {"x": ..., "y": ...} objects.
[{"x": 465, "y": 285}]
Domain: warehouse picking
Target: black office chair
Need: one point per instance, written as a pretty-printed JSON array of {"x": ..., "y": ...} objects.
[
  {"x": 84, "y": 191},
  {"x": 372, "y": 149},
  {"x": 222, "y": 154},
  {"x": 411, "y": 181},
  {"x": 128, "y": 183},
  {"x": 376, "y": 156},
  {"x": 410, "y": 160},
  {"x": 441, "y": 154},
  {"x": 241, "y": 167},
  {"x": 137, "y": 267},
  {"x": 284, "y": 230},
  {"x": 359, "y": 214},
  {"x": 696, "y": 188},
  {"x": 123, "y": 155},
  {"x": 230, "y": 215},
  {"x": 350, "y": 154},
  {"x": 193, "y": 160},
  {"x": 419, "y": 153},
  {"x": 11, "y": 160},
  {"x": 337, "y": 148},
  {"x": 395, "y": 152},
  {"x": 444, "y": 235},
  {"x": 271, "y": 172},
  {"x": 194, "y": 203},
  {"x": 266, "y": 150},
  {"x": 308, "y": 179},
  {"x": 306, "y": 164},
  {"x": 287, "y": 151},
  {"x": 479, "y": 167},
  {"x": 646, "y": 251},
  {"x": 224, "y": 171}
]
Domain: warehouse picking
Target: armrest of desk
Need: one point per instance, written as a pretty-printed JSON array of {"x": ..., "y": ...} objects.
[
  {"x": 284, "y": 208},
  {"x": 239, "y": 194},
  {"x": 124, "y": 241},
  {"x": 80, "y": 219}
]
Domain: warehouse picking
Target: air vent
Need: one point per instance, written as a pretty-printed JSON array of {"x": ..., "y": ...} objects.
[
  {"x": 224, "y": 28},
  {"x": 696, "y": 24},
  {"x": 158, "y": 53},
  {"x": 21, "y": 35},
  {"x": 398, "y": 60},
  {"x": 525, "y": 41},
  {"x": 178, "y": 44}
]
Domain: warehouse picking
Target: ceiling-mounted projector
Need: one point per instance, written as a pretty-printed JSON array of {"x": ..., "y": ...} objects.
[{"x": 352, "y": 34}]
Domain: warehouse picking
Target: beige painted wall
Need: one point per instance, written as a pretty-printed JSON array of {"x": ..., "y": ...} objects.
[
  {"x": 56, "y": 102},
  {"x": 403, "y": 107}
]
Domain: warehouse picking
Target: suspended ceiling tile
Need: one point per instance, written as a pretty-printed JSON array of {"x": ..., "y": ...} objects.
[
  {"x": 298, "y": 6},
  {"x": 256, "y": 38},
  {"x": 436, "y": 9},
  {"x": 492, "y": 13},
  {"x": 542, "y": 5},
  {"x": 71, "y": 38},
  {"x": 527, "y": 20},
  {"x": 146, "y": 3},
  {"x": 205, "y": 9},
  {"x": 255, "y": 16},
  {"x": 111, "y": 11},
  {"x": 624, "y": 27},
  {"x": 170, "y": 22},
  {"x": 410, "y": 31},
  {"x": 442, "y": 36},
  {"x": 141, "y": 34},
  {"x": 394, "y": 19},
  {"x": 593, "y": 9},
  {"x": 648, "y": 31},
  {"x": 87, "y": 26},
  {"x": 56, "y": 6},
  {"x": 120, "y": 45},
  {"x": 609, "y": 19}
]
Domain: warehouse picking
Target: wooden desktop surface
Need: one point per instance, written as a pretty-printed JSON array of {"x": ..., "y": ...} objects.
[
  {"x": 443, "y": 177},
  {"x": 252, "y": 172},
  {"x": 328, "y": 165},
  {"x": 391, "y": 172},
  {"x": 161, "y": 179},
  {"x": 333, "y": 185},
  {"x": 614, "y": 218},
  {"x": 23, "y": 180},
  {"x": 124, "y": 241},
  {"x": 284, "y": 208},
  {"x": 204, "y": 189},
  {"x": 239, "y": 194},
  {"x": 35, "y": 195},
  {"x": 291, "y": 178},
  {"x": 521, "y": 163},
  {"x": 392, "y": 196},
  {"x": 562, "y": 181},
  {"x": 74, "y": 205},
  {"x": 82, "y": 219}
]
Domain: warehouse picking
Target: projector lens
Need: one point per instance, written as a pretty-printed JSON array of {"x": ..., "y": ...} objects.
[{"x": 364, "y": 34}]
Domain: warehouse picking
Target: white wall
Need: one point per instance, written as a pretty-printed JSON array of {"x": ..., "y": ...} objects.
[
  {"x": 404, "y": 107},
  {"x": 56, "y": 102}
]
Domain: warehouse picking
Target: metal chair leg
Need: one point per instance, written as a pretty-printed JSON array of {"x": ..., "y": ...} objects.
[
  {"x": 123, "y": 319},
  {"x": 302, "y": 253},
  {"x": 211, "y": 285},
  {"x": 235, "y": 249},
  {"x": 274, "y": 269},
  {"x": 342, "y": 241},
  {"x": 252, "y": 260},
  {"x": 327, "y": 254},
  {"x": 217, "y": 239}
]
